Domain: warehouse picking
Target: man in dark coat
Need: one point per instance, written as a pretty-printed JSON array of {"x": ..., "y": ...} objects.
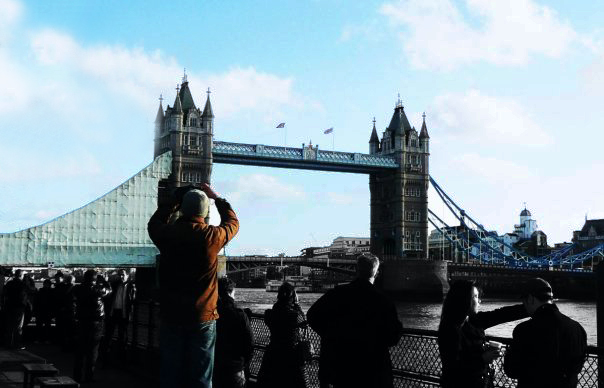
[
  {"x": 63, "y": 310},
  {"x": 547, "y": 351},
  {"x": 43, "y": 310},
  {"x": 119, "y": 309},
  {"x": 90, "y": 313},
  {"x": 357, "y": 325},
  {"x": 14, "y": 306},
  {"x": 234, "y": 340}
]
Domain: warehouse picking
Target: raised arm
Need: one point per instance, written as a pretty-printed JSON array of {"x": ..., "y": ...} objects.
[{"x": 486, "y": 319}]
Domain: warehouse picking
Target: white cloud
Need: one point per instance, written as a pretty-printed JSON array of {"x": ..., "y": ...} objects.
[
  {"x": 10, "y": 14},
  {"x": 478, "y": 118},
  {"x": 246, "y": 88},
  {"x": 437, "y": 35},
  {"x": 593, "y": 76},
  {"x": 54, "y": 48},
  {"x": 493, "y": 170},
  {"x": 257, "y": 188},
  {"x": 140, "y": 75}
]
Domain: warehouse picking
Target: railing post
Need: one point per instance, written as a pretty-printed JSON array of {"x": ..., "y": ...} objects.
[
  {"x": 151, "y": 325},
  {"x": 134, "y": 340},
  {"x": 600, "y": 322}
]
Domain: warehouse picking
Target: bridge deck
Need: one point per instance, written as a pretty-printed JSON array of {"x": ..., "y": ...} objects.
[{"x": 300, "y": 158}]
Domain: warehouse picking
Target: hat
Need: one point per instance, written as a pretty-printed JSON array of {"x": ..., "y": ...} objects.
[
  {"x": 538, "y": 288},
  {"x": 195, "y": 203}
]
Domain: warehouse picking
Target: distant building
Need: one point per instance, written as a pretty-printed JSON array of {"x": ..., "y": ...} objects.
[
  {"x": 590, "y": 236},
  {"x": 340, "y": 247},
  {"x": 527, "y": 238},
  {"x": 527, "y": 225},
  {"x": 535, "y": 246},
  {"x": 444, "y": 246}
]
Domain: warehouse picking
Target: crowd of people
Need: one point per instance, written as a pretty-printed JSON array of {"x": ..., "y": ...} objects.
[
  {"x": 85, "y": 315},
  {"x": 205, "y": 339}
]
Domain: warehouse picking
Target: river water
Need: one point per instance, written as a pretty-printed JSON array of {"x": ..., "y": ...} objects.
[{"x": 426, "y": 315}]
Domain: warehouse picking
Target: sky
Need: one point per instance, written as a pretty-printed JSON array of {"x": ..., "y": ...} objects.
[{"x": 512, "y": 93}]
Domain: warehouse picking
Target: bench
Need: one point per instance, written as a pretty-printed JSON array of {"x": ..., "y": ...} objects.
[
  {"x": 57, "y": 381},
  {"x": 33, "y": 371}
]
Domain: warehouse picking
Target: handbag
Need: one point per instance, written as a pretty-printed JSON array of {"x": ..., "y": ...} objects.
[{"x": 304, "y": 348}]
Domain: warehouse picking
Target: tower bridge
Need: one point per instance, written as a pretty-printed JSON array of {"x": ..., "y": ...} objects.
[{"x": 111, "y": 231}]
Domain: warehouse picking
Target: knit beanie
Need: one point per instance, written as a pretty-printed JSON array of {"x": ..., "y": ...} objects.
[
  {"x": 539, "y": 288},
  {"x": 195, "y": 203}
]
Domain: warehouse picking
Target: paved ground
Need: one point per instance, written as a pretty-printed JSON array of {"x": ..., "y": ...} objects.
[{"x": 114, "y": 377}]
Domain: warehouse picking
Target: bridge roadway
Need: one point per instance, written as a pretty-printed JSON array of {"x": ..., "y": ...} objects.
[{"x": 245, "y": 263}]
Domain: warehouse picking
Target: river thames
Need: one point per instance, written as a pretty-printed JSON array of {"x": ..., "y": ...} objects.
[{"x": 427, "y": 315}]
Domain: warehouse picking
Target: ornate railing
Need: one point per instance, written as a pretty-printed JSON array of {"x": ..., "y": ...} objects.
[{"x": 416, "y": 362}]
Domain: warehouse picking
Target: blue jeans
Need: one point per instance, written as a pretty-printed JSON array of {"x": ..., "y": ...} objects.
[{"x": 187, "y": 355}]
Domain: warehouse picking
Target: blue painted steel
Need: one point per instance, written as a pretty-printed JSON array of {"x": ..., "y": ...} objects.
[{"x": 301, "y": 158}]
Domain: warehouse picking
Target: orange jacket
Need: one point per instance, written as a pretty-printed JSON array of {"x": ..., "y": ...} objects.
[{"x": 188, "y": 265}]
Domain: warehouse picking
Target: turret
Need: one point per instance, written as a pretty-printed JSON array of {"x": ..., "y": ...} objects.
[
  {"x": 424, "y": 138},
  {"x": 159, "y": 127},
  {"x": 207, "y": 117},
  {"x": 374, "y": 141},
  {"x": 176, "y": 128}
]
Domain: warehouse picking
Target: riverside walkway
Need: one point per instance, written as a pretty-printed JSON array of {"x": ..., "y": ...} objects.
[
  {"x": 415, "y": 359},
  {"x": 416, "y": 362},
  {"x": 129, "y": 375}
]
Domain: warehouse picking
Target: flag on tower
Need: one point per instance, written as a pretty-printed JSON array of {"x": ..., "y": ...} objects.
[
  {"x": 281, "y": 125},
  {"x": 330, "y": 130}
]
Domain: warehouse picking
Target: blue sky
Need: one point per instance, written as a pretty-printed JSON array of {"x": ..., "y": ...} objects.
[{"x": 512, "y": 92}]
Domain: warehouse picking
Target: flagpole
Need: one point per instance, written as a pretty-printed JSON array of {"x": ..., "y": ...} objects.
[
  {"x": 333, "y": 148},
  {"x": 285, "y": 142}
]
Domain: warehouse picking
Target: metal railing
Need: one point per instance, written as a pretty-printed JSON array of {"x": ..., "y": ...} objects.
[{"x": 415, "y": 359}]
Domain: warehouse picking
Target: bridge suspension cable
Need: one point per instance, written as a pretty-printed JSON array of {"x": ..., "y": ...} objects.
[{"x": 487, "y": 247}]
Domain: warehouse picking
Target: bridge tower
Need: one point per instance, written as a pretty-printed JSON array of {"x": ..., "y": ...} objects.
[
  {"x": 399, "y": 210},
  {"x": 186, "y": 131}
]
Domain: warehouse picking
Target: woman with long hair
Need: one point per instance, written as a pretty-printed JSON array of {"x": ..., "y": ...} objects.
[
  {"x": 281, "y": 367},
  {"x": 466, "y": 358}
]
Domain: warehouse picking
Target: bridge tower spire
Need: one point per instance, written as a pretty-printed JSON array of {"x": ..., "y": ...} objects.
[
  {"x": 374, "y": 141},
  {"x": 159, "y": 127}
]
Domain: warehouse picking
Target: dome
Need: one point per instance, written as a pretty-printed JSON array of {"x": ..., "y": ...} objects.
[{"x": 525, "y": 213}]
